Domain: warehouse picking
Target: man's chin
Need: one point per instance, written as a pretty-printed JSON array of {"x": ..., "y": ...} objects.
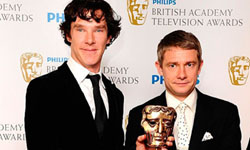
[{"x": 182, "y": 93}]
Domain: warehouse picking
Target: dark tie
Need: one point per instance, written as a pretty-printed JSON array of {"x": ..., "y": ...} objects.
[{"x": 101, "y": 114}]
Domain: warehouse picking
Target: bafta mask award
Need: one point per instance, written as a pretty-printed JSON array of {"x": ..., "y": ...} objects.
[{"x": 158, "y": 122}]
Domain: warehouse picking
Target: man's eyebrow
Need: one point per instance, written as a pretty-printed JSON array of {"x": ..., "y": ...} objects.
[
  {"x": 172, "y": 62},
  {"x": 194, "y": 62},
  {"x": 77, "y": 26},
  {"x": 176, "y": 62},
  {"x": 97, "y": 26},
  {"x": 101, "y": 26}
]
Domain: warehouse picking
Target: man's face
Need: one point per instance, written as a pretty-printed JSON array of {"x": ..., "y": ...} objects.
[
  {"x": 180, "y": 69},
  {"x": 240, "y": 72},
  {"x": 158, "y": 122},
  {"x": 88, "y": 42},
  {"x": 137, "y": 10}
]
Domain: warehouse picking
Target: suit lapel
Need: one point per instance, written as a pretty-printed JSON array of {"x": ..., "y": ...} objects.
[
  {"x": 201, "y": 121},
  {"x": 111, "y": 97},
  {"x": 74, "y": 92},
  {"x": 162, "y": 100}
]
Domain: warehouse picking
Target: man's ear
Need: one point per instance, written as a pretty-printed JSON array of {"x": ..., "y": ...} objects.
[
  {"x": 200, "y": 66},
  {"x": 68, "y": 37},
  {"x": 108, "y": 40},
  {"x": 158, "y": 67}
]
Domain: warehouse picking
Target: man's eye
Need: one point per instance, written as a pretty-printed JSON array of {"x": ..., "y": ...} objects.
[
  {"x": 79, "y": 30},
  {"x": 99, "y": 30},
  {"x": 172, "y": 65},
  {"x": 189, "y": 64}
]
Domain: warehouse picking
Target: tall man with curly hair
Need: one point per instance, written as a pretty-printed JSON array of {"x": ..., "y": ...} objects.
[{"x": 76, "y": 106}]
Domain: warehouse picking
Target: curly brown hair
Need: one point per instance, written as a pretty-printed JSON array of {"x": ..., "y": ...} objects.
[{"x": 80, "y": 8}]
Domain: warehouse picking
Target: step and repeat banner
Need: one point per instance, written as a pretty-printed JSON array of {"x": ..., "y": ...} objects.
[{"x": 31, "y": 45}]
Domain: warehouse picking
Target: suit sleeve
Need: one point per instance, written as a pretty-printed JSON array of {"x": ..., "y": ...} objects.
[
  {"x": 231, "y": 134},
  {"x": 36, "y": 123},
  {"x": 134, "y": 129}
]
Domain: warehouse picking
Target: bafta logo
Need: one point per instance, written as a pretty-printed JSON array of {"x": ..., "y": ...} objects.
[
  {"x": 31, "y": 65},
  {"x": 238, "y": 68},
  {"x": 158, "y": 123},
  {"x": 137, "y": 11}
]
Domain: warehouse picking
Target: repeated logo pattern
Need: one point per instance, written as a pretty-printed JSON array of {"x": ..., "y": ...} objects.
[
  {"x": 31, "y": 65},
  {"x": 137, "y": 11},
  {"x": 238, "y": 68}
]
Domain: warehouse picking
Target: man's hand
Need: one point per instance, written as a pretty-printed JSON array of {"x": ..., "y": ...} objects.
[
  {"x": 140, "y": 145},
  {"x": 140, "y": 142}
]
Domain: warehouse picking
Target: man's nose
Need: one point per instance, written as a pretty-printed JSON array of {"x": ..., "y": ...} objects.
[
  {"x": 90, "y": 38},
  {"x": 182, "y": 72}
]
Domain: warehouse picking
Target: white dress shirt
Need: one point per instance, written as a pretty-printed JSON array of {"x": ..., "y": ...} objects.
[
  {"x": 80, "y": 73},
  {"x": 191, "y": 101}
]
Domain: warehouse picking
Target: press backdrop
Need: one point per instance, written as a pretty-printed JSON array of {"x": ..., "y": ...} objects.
[{"x": 30, "y": 41}]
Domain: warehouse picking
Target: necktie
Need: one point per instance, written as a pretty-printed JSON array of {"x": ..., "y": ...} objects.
[
  {"x": 182, "y": 135},
  {"x": 101, "y": 114}
]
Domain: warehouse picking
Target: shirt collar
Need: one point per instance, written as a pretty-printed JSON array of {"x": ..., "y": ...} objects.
[
  {"x": 80, "y": 72},
  {"x": 190, "y": 100},
  {"x": 100, "y": 74}
]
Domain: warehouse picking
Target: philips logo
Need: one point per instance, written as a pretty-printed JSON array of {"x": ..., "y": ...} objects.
[
  {"x": 197, "y": 81},
  {"x": 57, "y": 59},
  {"x": 58, "y": 17},
  {"x": 157, "y": 78},
  {"x": 164, "y": 2},
  {"x": 160, "y": 79}
]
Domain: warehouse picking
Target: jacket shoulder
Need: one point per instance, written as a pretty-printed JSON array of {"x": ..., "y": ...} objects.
[
  {"x": 52, "y": 78},
  {"x": 110, "y": 85},
  {"x": 216, "y": 103}
]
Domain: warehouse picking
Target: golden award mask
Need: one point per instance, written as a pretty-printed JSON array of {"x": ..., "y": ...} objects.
[
  {"x": 31, "y": 65},
  {"x": 238, "y": 68},
  {"x": 137, "y": 11},
  {"x": 158, "y": 122}
]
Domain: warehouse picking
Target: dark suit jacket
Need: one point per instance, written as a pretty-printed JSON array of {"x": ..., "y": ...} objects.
[
  {"x": 248, "y": 146},
  {"x": 218, "y": 117},
  {"x": 58, "y": 117}
]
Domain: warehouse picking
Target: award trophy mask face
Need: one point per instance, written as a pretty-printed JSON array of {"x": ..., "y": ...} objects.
[
  {"x": 31, "y": 66},
  {"x": 158, "y": 122},
  {"x": 137, "y": 11},
  {"x": 239, "y": 70}
]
